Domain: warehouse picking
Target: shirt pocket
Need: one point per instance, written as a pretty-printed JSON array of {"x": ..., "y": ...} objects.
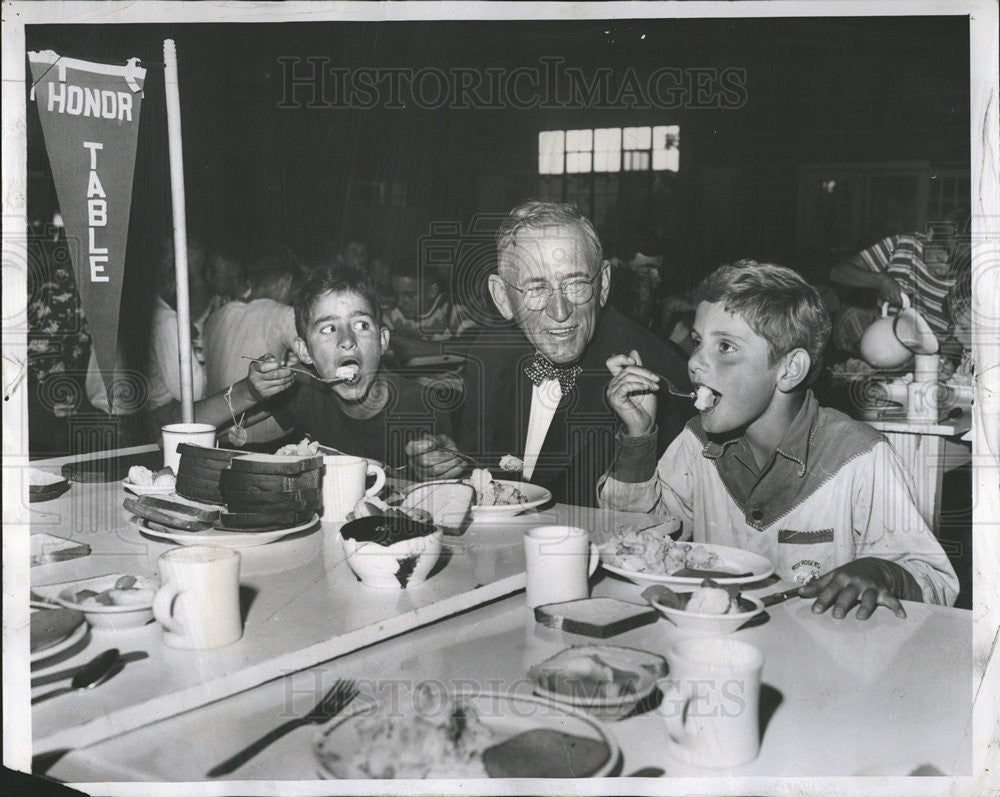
[{"x": 804, "y": 555}]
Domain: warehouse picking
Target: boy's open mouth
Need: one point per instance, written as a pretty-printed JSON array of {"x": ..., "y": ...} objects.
[
  {"x": 349, "y": 371},
  {"x": 705, "y": 398}
]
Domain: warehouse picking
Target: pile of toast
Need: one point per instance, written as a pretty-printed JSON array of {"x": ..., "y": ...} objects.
[{"x": 249, "y": 492}]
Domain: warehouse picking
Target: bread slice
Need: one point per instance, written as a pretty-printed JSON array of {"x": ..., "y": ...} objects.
[
  {"x": 202, "y": 468},
  {"x": 172, "y": 514},
  {"x": 450, "y": 504},
  {"x": 206, "y": 454},
  {"x": 275, "y": 464},
  {"x": 241, "y": 481},
  {"x": 546, "y": 753},
  {"x": 262, "y": 521},
  {"x": 198, "y": 489},
  {"x": 596, "y": 617},
  {"x": 257, "y": 501}
]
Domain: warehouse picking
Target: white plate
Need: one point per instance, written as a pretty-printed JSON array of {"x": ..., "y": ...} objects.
[
  {"x": 506, "y": 713},
  {"x": 735, "y": 560},
  {"x": 224, "y": 539},
  {"x": 536, "y": 497},
  {"x": 148, "y": 489},
  {"x": 75, "y": 636}
]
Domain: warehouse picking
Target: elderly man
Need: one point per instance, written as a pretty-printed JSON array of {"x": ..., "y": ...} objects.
[{"x": 535, "y": 388}]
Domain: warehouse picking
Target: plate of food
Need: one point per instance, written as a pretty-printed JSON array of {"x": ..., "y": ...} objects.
[
  {"x": 54, "y": 630},
  {"x": 649, "y": 557},
  {"x": 499, "y": 498},
  {"x": 212, "y": 536},
  {"x": 143, "y": 481},
  {"x": 605, "y": 681},
  {"x": 463, "y": 735}
]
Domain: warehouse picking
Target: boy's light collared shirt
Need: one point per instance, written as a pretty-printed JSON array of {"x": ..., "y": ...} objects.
[{"x": 835, "y": 491}]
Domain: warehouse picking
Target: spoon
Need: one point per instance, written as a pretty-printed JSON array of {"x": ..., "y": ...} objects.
[
  {"x": 94, "y": 672},
  {"x": 326, "y": 380}
]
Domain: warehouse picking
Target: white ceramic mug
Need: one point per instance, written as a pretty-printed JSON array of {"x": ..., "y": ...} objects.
[
  {"x": 199, "y": 602},
  {"x": 197, "y": 434},
  {"x": 711, "y": 701},
  {"x": 558, "y": 561},
  {"x": 344, "y": 484},
  {"x": 922, "y": 402}
]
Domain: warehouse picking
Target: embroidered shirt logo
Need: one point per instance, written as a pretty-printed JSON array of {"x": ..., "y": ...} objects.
[{"x": 805, "y": 570}]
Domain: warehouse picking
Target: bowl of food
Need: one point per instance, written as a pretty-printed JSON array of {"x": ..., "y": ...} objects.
[
  {"x": 605, "y": 681},
  {"x": 115, "y": 601},
  {"x": 711, "y": 610},
  {"x": 390, "y": 551}
]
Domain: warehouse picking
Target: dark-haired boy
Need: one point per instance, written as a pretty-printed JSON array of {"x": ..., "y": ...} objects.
[
  {"x": 372, "y": 412},
  {"x": 763, "y": 467}
]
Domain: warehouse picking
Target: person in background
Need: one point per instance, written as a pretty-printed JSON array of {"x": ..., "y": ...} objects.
[
  {"x": 263, "y": 322},
  {"x": 956, "y": 352},
  {"x": 924, "y": 267},
  {"x": 423, "y": 315},
  {"x": 764, "y": 468},
  {"x": 354, "y": 255},
  {"x": 536, "y": 387},
  {"x": 637, "y": 280},
  {"x": 226, "y": 276},
  {"x": 677, "y": 327},
  {"x": 161, "y": 368}
]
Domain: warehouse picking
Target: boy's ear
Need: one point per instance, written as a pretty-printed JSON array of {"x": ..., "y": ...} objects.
[
  {"x": 498, "y": 290},
  {"x": 795, "y": 370},
  {"x": 384, "y": 339},
  {"x": 302, "y": 351}
]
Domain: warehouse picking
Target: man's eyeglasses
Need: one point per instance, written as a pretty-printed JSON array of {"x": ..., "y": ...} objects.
[{"x": 576, "y": 291}]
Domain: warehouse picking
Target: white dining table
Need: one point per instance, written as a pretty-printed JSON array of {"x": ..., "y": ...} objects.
[
  {"x": 841, "y": 697},
  {"x": 301, "y": 604},
  {"x": 883, "y": 697}
]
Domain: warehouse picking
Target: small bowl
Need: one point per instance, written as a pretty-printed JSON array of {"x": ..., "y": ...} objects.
[
  {"x": 112, "y": 617},
  {"x": 711, "y": 624},
  {"x": 401, "y": 564}
]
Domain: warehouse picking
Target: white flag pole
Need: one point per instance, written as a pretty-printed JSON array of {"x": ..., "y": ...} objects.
[{"x": 180, "y": 229}]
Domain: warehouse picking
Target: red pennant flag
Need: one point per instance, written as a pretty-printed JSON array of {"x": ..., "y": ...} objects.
[{"x": 90, "y": 120}]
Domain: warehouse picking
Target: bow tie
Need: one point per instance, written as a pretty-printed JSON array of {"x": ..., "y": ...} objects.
[{"x": 540, "y": 370}]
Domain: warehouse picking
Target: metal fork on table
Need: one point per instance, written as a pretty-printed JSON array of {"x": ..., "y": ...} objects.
[
  {"x": 327, "y": 380},
  {"x": 334, "y": 701}
]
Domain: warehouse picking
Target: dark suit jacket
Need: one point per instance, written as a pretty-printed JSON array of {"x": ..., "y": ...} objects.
[{"x": 580, "y": 443}]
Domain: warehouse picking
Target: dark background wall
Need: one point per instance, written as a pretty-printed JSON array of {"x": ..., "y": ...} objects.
[{"x": 881, "y": 104}]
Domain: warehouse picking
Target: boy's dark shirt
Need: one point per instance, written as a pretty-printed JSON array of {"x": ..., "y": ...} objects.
[
  {"x": 312, "y": 409},
  {"x": 580, "y": 442}
]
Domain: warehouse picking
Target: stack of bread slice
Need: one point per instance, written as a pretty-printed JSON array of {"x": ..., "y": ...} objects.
[
  {"x": 267, "y": 491},
  {"x": 199, "y": 471}
]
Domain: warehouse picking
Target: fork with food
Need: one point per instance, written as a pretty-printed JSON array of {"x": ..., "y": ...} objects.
[{"x": 633, "y": 389}]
